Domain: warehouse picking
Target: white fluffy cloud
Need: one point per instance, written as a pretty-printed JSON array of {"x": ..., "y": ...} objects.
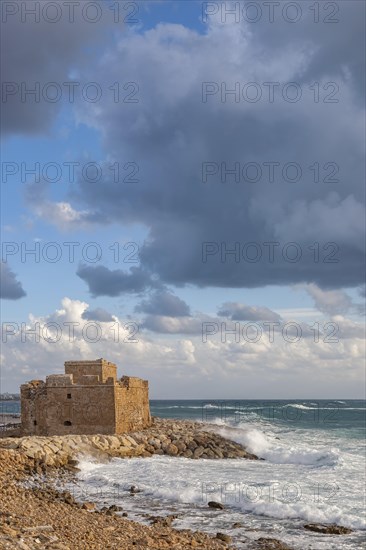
[{"x": 177, "y": 366}]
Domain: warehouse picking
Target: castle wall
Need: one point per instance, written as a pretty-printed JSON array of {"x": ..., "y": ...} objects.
[
  {"x": 103, "y": 369},
  {"x": 33, "y": 399},
  {"x": 85, "y": 400},
  {"x": 132, "y": 404},
  {"x": 81, "y": 409}
]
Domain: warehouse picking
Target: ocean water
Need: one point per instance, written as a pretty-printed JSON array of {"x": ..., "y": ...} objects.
[{"x": 313, "y": 471}]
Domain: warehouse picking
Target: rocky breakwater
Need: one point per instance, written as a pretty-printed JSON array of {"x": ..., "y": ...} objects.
[{"x": 164, "y": 437}]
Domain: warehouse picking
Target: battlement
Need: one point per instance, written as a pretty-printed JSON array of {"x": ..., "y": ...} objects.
[
  {"x": 100, "y": 367},
  {"x": 132, "y": 382}
]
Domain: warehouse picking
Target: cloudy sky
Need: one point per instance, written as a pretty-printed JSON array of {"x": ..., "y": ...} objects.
[{"x": 183, "y": 194}]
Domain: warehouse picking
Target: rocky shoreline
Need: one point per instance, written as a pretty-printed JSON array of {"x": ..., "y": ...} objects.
[
  {"x": 164, "y": 437},
  {"x": 34, "y": 514}
]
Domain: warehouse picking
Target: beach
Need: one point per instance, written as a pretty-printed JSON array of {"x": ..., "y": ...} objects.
[
  {"x": 256, "y": 482},
  {"x": 34, "y": 512}
]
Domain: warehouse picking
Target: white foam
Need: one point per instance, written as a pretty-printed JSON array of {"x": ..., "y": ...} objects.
[
  {"x": 229, "y": 481},
  {"x": 260, "y": 444}
]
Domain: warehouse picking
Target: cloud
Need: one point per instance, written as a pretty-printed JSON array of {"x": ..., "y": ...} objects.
[
  {"x": 105, "y": 282},
  {"x": 164, "y": 303},
  {"x": 362, "y": 291},
  {"x": 242, "y": 312},
  {"x": 172, "y": 325},
  {"x": 61, "y": 214},
  {"x": 98, "y": 314},
  {"x": 304, "y": 231},
  {"x": 331, "y": 302},
  {"x": 11, "y": 289},
  {"x": 37, "y": 53},
  {"x": 177, "y": 367}
]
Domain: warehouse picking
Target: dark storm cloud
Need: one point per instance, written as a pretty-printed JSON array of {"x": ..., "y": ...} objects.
[
  {"x": 220, "y": 233},
  {"x": 164, "y": 303},
  {"x": 241, "y": 312},
  {"x": 35, "y": 53},
  {"x": 10, "y": 288},
  {"x": 98, "y": 314},
  {"x": 105, "y": 282},
  {"x": 336, "y": 40}
]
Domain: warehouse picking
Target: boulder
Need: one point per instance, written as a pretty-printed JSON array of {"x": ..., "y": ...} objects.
[
  {"x": 198, "y": 452},
  {"x": 172, "y": 450},
  {"x": 88, "y": 506},
  {"x": 331, "y": 529},
  {"x": 217, "y": 505},
  {"x": 223, "y": 537},
  {"x": 271, "y": 544}
]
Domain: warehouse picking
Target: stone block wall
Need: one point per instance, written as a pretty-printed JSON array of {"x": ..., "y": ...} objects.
[
  {"x": 102, "y": 368},
  {"x": 132, "y": 404},
  {"x": 86, "y": 400}
]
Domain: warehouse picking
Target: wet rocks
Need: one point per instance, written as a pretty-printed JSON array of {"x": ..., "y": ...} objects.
[
  {"x": 165, "y": 521},
  {"x": 223, "y": 537},
  {"x": 88, "y": 506},
  {"x": 182, "y": 438},
  {"x": 271, "y": 544},
  {"x": 217, "y": 505},
  {"x": 115, "y": 508},
  {"x": 331, "y": 529},
  {"x": 43, "y": 518}
]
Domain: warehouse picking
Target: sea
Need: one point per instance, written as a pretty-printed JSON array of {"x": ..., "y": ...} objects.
[{"x": 313, "y": 471}]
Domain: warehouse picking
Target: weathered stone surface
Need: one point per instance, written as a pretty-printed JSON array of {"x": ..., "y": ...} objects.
[
  {"x": 271, "y": 544},
  {"x": 217, "y": 505},
  {"x": 88, "y": 506},
  {"x": 331, "y": 529},
  {"x": 223, "y": 537},
  {"x": 87, "y": 399},
  {"x": 64, "y": 450},
  {"x": 172, "y": 450},
  {"x": 198, "y": 452}
]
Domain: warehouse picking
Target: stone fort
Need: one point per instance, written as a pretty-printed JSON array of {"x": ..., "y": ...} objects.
[{"x": 87, "y": 399}]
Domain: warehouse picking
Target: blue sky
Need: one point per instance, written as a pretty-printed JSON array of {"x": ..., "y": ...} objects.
[{"x": 168, "y": 213}]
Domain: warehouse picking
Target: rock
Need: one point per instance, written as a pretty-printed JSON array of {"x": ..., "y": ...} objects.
[
  {"x": 188, "y": 453},
  {"x": 165, "y": 445},
  {"x": 131, "y": 440},
  {"x": 198, "y": 452},
  {"x": 164, "y": 521},
  {"x": 126, "y": 441},
  {"x": 134, "y": 490},
  {"x": 172, "y": 450},
  {"x": 67, "y": 497},
  {"x": 213, "y": 504},
  {"x": 181, "y": 446},
  {"x": 8, "y": 531},
  {"x": 237, "y": 525},
  {"x": 88, "y": 506},
  {"x": 271, "y": 544},
  {"x": 223, "y": 537},
  {"x": 113, "y": 442},
  {"x": 115, "y": 508},
  {"x": 331, "y": 529}
]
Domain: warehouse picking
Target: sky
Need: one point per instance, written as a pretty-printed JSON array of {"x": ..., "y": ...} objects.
[{"x": 183, "y": 194}]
